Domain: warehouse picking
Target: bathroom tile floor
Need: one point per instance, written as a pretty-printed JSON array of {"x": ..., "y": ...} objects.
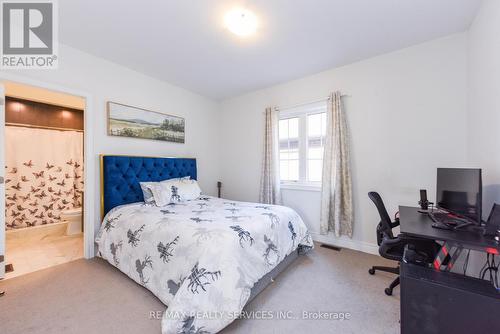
[{"x": 35, "y": 250}]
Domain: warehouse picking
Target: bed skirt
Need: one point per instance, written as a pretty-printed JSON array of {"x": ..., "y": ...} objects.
[{"x": 270, "y": 276}]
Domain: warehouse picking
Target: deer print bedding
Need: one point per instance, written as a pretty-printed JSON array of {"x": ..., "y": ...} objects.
[{"x": 200, "y": 257}]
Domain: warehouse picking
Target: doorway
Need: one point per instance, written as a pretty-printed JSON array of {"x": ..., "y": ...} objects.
[{"x": 44, "y": 178}]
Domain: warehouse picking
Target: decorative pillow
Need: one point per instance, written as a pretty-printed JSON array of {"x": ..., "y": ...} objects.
[
  {"x": 147, "y": 193},
  {"x": 165, "y": 193},
  {"x": 174, "y": 191}
]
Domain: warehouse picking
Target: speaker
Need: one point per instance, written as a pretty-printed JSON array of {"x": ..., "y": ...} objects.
[
  {"x": 493, "y": 223},
  {"x": 424, "y": 202}
]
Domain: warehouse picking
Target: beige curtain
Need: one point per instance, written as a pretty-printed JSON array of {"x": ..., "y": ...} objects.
[
  {"x": 270, "y": 180},
  {"x": 336, "y": 191}
]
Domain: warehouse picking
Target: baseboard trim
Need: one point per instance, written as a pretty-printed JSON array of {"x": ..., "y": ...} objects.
[{"x": 343, "y": 242}]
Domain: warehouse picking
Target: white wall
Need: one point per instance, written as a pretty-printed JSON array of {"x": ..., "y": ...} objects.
[
  {"x": 484, "y": 99},
  {"x": 106, "y": 81},
  {"x": 407, "y": 116},
  {"x": 483, "y": 107}
]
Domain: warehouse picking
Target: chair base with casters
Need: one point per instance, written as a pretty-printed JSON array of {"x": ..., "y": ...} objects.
[{"x": 392, "y": 270}]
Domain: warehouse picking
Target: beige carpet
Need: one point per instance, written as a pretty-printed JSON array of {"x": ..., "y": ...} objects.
[{"x": 90, "y": 296}]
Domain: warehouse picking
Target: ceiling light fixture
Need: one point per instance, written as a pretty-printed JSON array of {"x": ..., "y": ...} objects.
[
  {"x": 65, "y": 114},
  {"x": 17, "y": 106},
  {"x": 241, "y": 22}
]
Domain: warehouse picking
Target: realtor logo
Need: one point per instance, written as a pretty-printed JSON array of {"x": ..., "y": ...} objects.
[{"x": 29, "y": 34}]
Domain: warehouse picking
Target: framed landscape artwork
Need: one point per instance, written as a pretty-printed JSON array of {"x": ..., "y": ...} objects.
[{"x": 127, "y": 121}]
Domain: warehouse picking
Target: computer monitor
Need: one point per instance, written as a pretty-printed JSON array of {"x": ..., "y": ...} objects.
[
  {"x": 493, "y": 223},
  {"x": 459, "y": 191}
]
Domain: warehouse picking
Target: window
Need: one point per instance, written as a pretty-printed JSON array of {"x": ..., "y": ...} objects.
[
  {"x": 316, "y": 129},
  {"x": 302, "y": 136},
  {"x": 289, "y": 149}
]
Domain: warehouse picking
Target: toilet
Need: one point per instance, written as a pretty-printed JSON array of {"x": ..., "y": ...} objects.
[{"x": 74, "y": 219}]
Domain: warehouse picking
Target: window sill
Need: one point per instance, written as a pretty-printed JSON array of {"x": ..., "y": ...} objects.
[{"x": 303, "y": 187}]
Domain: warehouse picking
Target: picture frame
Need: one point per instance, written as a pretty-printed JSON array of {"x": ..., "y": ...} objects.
[{"x": 133, "y": 122}]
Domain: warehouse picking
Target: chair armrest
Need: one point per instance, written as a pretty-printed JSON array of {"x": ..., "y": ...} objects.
[
  {"x": 395, "y": 223},
  {"x": 393, "y": 242},
  {"x": 392, "y": 249}
]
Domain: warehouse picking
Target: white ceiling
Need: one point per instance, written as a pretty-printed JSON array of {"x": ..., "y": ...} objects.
[{"x": 185, "y": 43}]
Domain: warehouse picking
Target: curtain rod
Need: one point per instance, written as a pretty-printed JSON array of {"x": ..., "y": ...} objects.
[
  {"x": 21, "y": 125},
  {"x": 308, "y": 102}
]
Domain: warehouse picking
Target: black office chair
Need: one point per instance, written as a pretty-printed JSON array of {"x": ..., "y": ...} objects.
[{"x": 391, "y": 247}]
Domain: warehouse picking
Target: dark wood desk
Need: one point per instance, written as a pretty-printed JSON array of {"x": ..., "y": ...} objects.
[{"x": 419, "y": 225}]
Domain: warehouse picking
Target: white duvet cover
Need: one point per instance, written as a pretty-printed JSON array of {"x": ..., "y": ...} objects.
[{"x": 201, "y": 257}]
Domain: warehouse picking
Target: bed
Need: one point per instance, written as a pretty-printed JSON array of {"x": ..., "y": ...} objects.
[{"x": 205, "y": 258}]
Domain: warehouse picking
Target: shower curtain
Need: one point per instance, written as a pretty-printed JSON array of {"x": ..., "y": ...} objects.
[{"x": 44, "y": 175}]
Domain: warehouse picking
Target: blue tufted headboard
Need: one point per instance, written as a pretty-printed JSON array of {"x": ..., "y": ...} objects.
[{"x": 120, "y": 176}]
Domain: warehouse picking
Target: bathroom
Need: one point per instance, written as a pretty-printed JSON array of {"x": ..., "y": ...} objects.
[{"x": 44, "y": 179}]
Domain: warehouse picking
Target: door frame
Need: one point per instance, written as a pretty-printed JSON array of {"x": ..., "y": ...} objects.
[
  {"x": 2, "y": 184},
  {"x": 90, "y": 200}
]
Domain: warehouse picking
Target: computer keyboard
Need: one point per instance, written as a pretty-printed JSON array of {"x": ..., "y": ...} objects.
[
  {"x": 447, "y": 221},
  {"x": 444, "y": 218}
]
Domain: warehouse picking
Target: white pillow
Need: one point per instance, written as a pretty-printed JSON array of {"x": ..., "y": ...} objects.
[
  {"x": 174, "y": 191},
  {"x": 189, "y": 189},
  {"x": 147, "y": 193}
]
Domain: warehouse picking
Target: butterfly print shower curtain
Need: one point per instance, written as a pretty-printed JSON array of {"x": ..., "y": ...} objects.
[{"x": 44, "y": 175}]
